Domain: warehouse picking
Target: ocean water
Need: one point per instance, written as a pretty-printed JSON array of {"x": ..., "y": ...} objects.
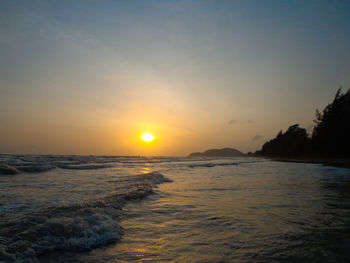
[{"x": 137, "y": 209}]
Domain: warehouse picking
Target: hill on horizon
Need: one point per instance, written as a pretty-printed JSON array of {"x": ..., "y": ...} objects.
[{"x": 225, "y": 152}]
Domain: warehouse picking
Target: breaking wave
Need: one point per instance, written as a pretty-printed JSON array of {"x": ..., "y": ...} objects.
[
  {"x": 6, "y": 169},
  {"x": 85, "y": 167},
  {"x": 75, "y": 227},
  {"x": 211, "y": 164},
  {"x": 14, "y": 164}
]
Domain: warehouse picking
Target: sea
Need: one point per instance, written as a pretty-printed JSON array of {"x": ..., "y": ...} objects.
[{"x": 170, "y": 209}]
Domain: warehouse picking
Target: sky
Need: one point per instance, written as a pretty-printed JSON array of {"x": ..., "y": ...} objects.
[{"x": 89, "y": 77}]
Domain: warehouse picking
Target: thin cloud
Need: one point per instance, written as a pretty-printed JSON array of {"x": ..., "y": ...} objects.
[
  {"x": 232, "y": 122},
  {"x": 240, "y": 122},
  {"x": 256, "y": 138}
]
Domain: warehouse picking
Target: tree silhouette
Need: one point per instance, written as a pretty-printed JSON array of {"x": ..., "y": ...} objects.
[
  {"x": 331, "y": 134},
  {"x": 293, "y": 143}
]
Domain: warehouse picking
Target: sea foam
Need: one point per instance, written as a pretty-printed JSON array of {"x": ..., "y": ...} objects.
[{"x": 75, "y": 227}]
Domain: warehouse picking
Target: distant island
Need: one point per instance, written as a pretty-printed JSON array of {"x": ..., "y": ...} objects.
[{"x": 225, "y": 152}]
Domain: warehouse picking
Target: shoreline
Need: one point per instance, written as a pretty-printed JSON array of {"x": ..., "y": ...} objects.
[{"x": 341, "y": 162}]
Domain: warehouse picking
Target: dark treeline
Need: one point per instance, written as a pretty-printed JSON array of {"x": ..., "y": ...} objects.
[{"x": 330, "y": 136}]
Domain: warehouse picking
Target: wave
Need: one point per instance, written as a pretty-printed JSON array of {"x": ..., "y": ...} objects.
[
  {"x": 39, "y": 168},
  {"x": 85, "y": 167},
  {"x": 6, "y": 169},
  {"x": 211, "y": 164},
  {"x": 75, "y": 227}
]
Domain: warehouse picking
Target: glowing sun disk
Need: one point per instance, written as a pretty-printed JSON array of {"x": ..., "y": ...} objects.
[{"x": 147, "y": 137}]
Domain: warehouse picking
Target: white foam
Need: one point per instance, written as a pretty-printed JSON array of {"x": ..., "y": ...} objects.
[{"x": 79, "y": 226}]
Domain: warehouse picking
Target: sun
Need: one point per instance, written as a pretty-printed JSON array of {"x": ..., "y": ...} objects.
[{"x": 147, "y": 137}]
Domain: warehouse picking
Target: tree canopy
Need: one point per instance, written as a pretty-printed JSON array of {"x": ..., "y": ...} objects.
[
  {"x": 294, "y": 142},
  {"x": 330, "y": 136}
]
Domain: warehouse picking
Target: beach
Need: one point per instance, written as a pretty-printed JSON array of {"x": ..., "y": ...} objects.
[{"x": 340, "y": 162}]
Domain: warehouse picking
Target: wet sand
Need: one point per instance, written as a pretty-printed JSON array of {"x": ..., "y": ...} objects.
[{"x": 341, "y": 162}]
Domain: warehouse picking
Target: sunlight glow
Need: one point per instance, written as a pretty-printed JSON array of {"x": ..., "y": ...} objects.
[{"x": 147, "y": 137}]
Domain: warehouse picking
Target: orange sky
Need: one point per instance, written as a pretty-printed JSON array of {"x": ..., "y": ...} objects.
[{"x": 89, "y": 79}]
